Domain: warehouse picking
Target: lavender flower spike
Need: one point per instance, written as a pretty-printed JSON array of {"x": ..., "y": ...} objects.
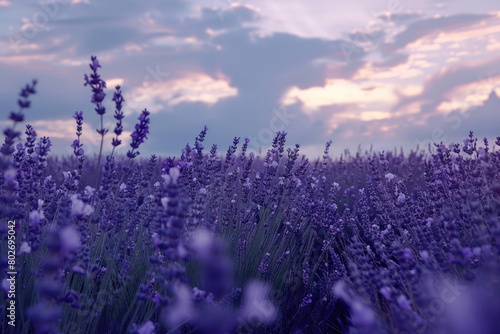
[
  {"x": 98, "y": 95},
  {"x": 118, "y": 100},
  {"x": 140, "y": 133},
  {"x": 77, "y": 146},
  {"x": 97, "y": 85},
  {"x": 17, "y": 117}
]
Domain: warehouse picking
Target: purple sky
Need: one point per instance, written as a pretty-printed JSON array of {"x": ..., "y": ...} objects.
[{"x": 387, "y": 73}]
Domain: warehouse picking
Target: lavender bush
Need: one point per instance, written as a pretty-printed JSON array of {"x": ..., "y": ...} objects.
[{"x": 237, "y": 243}]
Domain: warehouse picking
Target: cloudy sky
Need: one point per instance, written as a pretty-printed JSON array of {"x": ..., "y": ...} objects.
[{"x": 360, "y": 72}]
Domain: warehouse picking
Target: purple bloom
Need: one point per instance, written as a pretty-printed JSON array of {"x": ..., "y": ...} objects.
[
  {"x": 70, "y": 240},
  {"x": 363, "y": 315},
  {"x": 79, "y": 208},
  {"x": 256, "y": 305},
  {"x": 146, "y": 328},
  {"x": 182, "y": 309},
  {"x": 307, "y": 300},
  {"x": 140, "y": 134},
  {"x": 43, "y": 147},
  {"x": 30, "y": 139},
  {"x": 118, "y": 99},
  {"x": 16, "y": 117},
  {"x": 97, "y": 85},
  {"x": 44, "y": 315},
  {"x": 77, "y": 146},
  {"x": 264, "y": 264}
]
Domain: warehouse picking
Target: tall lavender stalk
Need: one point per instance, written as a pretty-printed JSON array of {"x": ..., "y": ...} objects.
[
  {"x": 77, "y": 147},
  {"x": 140, "y": 134},
  {"x": 9, "y": 183},
  {"x": 118, "y": 100},
  {"x": 17, "y": 117},
  {"x": 97, "y": 85}
]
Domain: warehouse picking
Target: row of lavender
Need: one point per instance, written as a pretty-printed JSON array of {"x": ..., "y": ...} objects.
[{"x": 212, "y": 243}]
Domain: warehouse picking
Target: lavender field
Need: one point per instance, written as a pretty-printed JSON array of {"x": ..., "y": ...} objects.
[{"x": 219, "y": 240}]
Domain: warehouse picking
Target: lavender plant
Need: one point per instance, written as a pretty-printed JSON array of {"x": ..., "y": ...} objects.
[{"x": 97, "y": 85}]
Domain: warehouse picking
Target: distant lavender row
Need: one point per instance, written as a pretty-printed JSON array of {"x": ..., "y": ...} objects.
[{"x": 236, "y": 243}]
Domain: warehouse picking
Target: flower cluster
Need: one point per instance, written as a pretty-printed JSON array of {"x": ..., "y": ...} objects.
[
  {"x": 140, "y": 134},
  {"x": 77, "y": 146},
  {"x": 16, "y": 117},
  {"x": 97, "y": 85},
  {"x": 118, "y": 99}
]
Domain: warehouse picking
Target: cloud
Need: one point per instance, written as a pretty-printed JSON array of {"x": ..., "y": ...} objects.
[
  {"x": 454, "y": 126},
  {"x": 493, "y": 46},
  {"x": 463, "y": 97},
  {"x": 469, "y": 33},
  {"x": 394, "y": 59},
  {"x": 410, "y": 69},
  {"x": 339, "y": 91},
  {"x": 114, "y": 82},
  {"x": 215, "y": 19},
  {"x": 408, "y": 131},
  {"x": 442, "y": 84},
  {"x": 193, "y": 87},
  {"x": 433, "y": 27}
]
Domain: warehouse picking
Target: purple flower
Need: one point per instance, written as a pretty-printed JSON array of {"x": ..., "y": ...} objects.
[
  {"x": 77, "y": 146},
  {"x": 307, "y": 300},
  {"x": 140, "y": 134},
  {"x": 30, "y": 139},
  {"x": 256, "y": 305},
  {"x": 79, "y": 208},
  {"x": 146, "y": 328},
  {"x": 16, "y": 117},
  {"x": 44, "y": 315},
  {"x": 118, "y": 99},
  {"x": 182, "y": 309},
  {"x": 403, "y": 302},
  {"x": 363, "y": 315},
  {"x": 97, "y": 85},
  {"x": 78, "y": 116},
  {"x": 264, "y": 264},
  {"x": 25, "y": 248},
  {"x": 77, "y": 150},
  {"x": 43, "y": 147},
  {"x": 70, "y": 239}
]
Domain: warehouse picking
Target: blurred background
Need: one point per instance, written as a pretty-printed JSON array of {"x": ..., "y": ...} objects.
[{"x": 367, "y": 72}]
